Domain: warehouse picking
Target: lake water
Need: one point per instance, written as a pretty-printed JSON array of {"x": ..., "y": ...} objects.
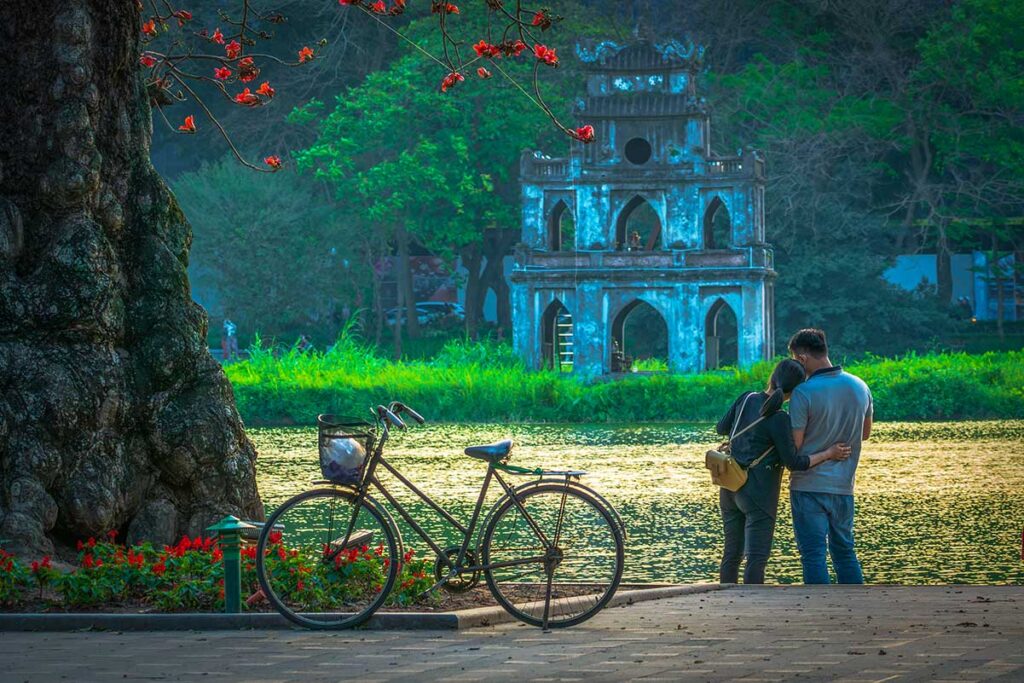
[{"x": 936, "y": 502}]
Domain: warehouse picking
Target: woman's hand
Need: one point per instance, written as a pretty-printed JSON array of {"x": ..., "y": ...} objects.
[{"x": 838, "y": 451}]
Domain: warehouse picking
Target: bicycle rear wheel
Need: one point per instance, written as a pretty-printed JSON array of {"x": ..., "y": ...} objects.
[
  {"x": 324, "y": 564},
  {"x": 562, "y": 560}
]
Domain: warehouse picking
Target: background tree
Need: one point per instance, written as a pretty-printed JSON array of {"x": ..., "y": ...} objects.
[{"x": 283, "y": 267}]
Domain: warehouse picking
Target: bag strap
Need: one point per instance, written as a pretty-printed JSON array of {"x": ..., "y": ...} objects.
[
  {"x": 760, "y": 458},
  {"x": 736, "y": 420}
]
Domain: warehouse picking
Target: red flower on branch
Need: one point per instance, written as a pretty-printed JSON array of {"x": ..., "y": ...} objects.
[
  {"x": 542, "y": 19},
  {"x": 147, "y": 60},
  {"x": 247, "y": 71},
  {"x": 483, "y": 73},
  {"x": 274, "y": 162},
  {"x": 247, "y": 98},
  {"x": 233, "y": 49},
  {"x": 149, "y": 28},
  {"x": 485, "y": 49},
  {"x": 265, "y": 90},
  {"x": 513, "y": 48},
  {"x": 217, "y": 36},
  {"x": 584, "y": 133},
  {"x": 446, "y": 7},
  {"x": 305, "y": 55},
  {"x": 546, "y": 54},
  {"x": 349, "y": 2},
  {"x": 189, "y": 126},
  {"x": 222, "y": 72},
  {"x": 451, "y": 80},
  {"x": 182, "y": 16},
  {"x": 379, "y": 7}
]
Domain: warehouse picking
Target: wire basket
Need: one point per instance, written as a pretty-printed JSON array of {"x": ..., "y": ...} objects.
[{"x": 345, "y": 445}]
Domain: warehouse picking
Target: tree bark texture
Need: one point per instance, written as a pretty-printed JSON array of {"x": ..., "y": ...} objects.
[{"x": 113, "y": 415}]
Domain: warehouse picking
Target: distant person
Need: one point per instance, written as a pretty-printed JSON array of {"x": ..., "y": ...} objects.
[
  {"x": 831, "y": 406},
  {"x": 749, "y": 514},
  {"x": 634, "y": 241},
  {"x": 229, "y": 340}
]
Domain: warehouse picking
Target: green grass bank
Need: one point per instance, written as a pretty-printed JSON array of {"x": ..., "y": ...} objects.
[{"x": 485, "y": 382}]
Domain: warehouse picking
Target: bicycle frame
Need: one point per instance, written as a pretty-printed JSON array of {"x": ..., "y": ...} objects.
[{"x": 454, "y": 568}]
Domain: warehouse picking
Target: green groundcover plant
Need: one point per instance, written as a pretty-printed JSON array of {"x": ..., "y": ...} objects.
[
  {"x": 486, "y": 381},
  {"x": 189, "y": 576}
]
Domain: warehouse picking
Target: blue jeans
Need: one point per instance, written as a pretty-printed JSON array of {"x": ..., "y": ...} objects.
[{"x": 820, "y": 521}]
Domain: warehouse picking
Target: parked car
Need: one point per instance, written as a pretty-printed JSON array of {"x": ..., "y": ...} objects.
[{"x": 427, "y": 312}]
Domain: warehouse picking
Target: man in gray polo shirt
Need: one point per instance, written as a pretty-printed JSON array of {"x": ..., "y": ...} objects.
[{"x": 831, "y": 406}]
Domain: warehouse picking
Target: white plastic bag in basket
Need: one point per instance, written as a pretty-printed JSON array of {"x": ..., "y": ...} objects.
[{"x": 341, "y": 458}]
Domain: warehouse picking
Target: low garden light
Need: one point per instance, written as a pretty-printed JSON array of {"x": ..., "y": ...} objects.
[{"x": 229, "y": 533}]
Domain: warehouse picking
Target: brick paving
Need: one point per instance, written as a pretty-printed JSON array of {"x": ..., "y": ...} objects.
[{"x": 878, "y": 633}]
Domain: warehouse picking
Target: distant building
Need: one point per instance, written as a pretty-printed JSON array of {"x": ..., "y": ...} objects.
[
  {"x": 973, "y": 283},
  {"x": 645, "y": 242}
]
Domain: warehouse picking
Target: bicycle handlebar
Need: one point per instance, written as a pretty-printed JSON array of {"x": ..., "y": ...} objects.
[
  {"x": 399, "y": 408},
  {"x": 386, "y": 414}
]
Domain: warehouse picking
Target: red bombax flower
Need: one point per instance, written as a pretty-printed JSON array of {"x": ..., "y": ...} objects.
[
  {"x": 189, "y": 126},
  {"x": 247, "y": 98},
  {"x": 545, "y": 54},
  {"x": 305, "y": 54},
  {"x": 217, "y": 36},
  {"x": 451, "y": 80},
  {"x": 222, "y": 72},
  {"x": 247, "y": 70},
  {"x": 182, "y": 16},
  {"x": 147, "y": 60},
  {"x": 149, "y": 28},
  {"x": 233, "y": 49},
  {"x": 349, "y": 2},
  {"x": 379, "y": 7},
  {"x": 541, "y": 19},
  {"x": 265, "y": 90},
  {"x": 585, "y": 133},
  {"x": 274, "y": 162},
  {"x": 446, "y": 7},
  {"x": 483, "y": 73},
  {"x": 485, "y": 49}
]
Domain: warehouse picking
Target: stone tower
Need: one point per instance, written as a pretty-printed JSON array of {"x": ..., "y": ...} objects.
[{"x": 645, "y": 232}]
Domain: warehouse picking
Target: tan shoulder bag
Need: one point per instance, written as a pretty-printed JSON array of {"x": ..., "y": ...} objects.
[{"x": 725, "y": 471}]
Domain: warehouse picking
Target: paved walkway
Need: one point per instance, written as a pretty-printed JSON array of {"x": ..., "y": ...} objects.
[{"x": 758, "y": 634}]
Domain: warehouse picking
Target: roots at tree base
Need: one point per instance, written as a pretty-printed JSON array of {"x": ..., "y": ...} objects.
[{"x": 113, "y": 415}]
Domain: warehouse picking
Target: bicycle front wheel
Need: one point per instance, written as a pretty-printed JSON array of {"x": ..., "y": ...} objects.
[
  {"x": 555, "y": 559},
  {"x": 325, "y": 564}
]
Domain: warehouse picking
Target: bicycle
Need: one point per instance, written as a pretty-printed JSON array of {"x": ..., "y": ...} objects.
[{"x": 327, "y": 558}]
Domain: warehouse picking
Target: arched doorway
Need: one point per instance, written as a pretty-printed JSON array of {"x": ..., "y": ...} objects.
[
  {"x": 721, "y": 337},
  {"x": 717, "y": 226},
  {"x": 557, "y": 348},
  {"x": 561, "y": 228},
  {"x": 639, "y": 339},
  {"x": 638, "y": 226}
]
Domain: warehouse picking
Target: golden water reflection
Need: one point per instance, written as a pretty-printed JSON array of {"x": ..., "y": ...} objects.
[{"x": 936, "y": 502}]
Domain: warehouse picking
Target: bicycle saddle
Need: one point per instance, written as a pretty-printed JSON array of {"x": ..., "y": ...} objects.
[{"x": 492, "y": 452}]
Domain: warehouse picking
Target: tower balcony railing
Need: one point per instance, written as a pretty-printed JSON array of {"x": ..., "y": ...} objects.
[
  {"x": 755, "y": 256},
  {"x": 539, "y": 168}
]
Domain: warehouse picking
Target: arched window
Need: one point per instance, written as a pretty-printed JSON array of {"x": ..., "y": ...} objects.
[
  {"x": 557, "y": 348},
  {"x": 561, "y": 228},
  {"x": 639, "y": 339},
  {"x": 638, "y": 226},
  {"x": 721, "y": 336},
  {"x": 717, "y": 226}
]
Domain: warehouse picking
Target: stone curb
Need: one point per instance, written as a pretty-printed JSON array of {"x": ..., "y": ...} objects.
[{"x": 447, "y": 621}]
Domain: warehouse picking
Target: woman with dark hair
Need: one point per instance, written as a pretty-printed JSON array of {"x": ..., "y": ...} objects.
[{"x": 748, "y": 515}]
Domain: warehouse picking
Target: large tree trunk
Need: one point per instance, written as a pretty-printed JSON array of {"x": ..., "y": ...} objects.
[{"x": 113, "y": 415}]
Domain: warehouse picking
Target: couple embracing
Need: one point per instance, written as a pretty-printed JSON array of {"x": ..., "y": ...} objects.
[{"x": 819, "y": 442}]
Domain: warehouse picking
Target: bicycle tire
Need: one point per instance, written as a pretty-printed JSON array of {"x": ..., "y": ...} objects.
[
  {"x": 339, "y": 620},
  {"x": 506, "y": 600}
]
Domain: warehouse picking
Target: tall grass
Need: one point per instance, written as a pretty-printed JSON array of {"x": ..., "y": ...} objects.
[{"x": 486, "y": 382}]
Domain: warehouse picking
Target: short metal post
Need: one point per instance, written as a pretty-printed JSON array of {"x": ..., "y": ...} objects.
[{"x": 229, "y": 534}]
